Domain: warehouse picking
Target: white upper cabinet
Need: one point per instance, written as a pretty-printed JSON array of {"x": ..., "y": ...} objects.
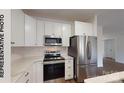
[
  {"x": 18, "y": 28},
  {"x": 40, "y": 33},
  {"x": 58, "y": 29},
  {"x": 62, "y": 30},
  {"x": 30, "y": 31},
  {"x": 82, "y": 28},
  {"x": 53, "y": 28},
  {"x": 49, "y": 28},
  {"x": 66, "y": 33}
]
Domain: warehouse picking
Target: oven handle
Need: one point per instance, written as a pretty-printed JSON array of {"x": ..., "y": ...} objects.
[{"x": 53, "y": 62}]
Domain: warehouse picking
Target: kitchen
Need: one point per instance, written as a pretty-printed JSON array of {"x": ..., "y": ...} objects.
[
  {"x": 50, "y": 48},
  {"x": 49, "y": 45},
  {"x": 40, "y": 48}
]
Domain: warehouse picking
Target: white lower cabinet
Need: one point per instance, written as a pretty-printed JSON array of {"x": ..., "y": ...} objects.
[
  {"x": 26, "y": 77},
  {"x": 68, "y": 69},
  {"x": 38, "y": 72},
  {"x": 34, "y": 74}
]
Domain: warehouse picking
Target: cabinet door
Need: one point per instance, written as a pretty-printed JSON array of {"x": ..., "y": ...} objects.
[
  {"x": 27, "y": 77},
  {"x": 18, "y": 24},
  {"x": 38, "y": 72},
  {"x": 53, "y": 28},
  {"x": 40, "y": 33},
  {"x": 30, "y": 72},
  {"x": 58, "y": 29},
  {"x": 68, "y": 69},
  {"x": 30, "y": 31},
  {"x": 82, "y": 28},
  {"x": 49, "y": 28},
  {"x": 23, "y": 79},
  {"x": 66, "y": 33}
]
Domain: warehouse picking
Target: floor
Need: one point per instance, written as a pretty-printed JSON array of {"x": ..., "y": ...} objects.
[
  {"x": 109, "y": 66},
  {"x": 60, "y": 80}
]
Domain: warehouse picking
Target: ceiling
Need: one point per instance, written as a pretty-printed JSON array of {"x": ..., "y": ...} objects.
[
  {"x": 70, "y": 14},
  {"x": 61, "y": 14},
  {"x": 112, "y": 19}
]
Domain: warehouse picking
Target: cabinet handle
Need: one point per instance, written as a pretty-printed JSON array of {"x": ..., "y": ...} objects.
[
  {"x": 27, "y": 81},
  {"x": 69, "y": 67},
  {"x": 12, "y": 42},
  {"x": 26, "y": 74}
]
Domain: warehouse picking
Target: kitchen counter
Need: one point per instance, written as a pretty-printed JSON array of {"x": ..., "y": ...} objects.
[
  {"x": 110, "y": 72},
  {"x": 117, "y": 77},
  {"x": 19, "y": 66},
  {"x": 67, "y": 57}
]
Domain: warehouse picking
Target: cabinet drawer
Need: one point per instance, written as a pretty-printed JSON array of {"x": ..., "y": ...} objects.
[
  {"x": 68, "y": 68},
  {"x": 69, "y": 63},
  {"x": 24, "y": 78},
  {"x": 68, "y": 71},
  {"x": 68, "y": 74},
  {"x": 67, "y": 77}
]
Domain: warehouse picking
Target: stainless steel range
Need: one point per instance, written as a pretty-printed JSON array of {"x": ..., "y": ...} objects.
[
  {"x": 53, "y": 56},
  {"x": 54, "y": 65}
]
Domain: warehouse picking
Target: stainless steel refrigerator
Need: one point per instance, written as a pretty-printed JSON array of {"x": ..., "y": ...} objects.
[{"x": 84, "y": 51}]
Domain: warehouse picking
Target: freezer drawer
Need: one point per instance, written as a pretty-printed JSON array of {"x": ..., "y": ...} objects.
[{"x": 81, "y": 73}]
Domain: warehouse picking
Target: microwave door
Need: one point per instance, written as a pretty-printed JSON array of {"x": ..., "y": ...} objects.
[{"x": 53, "y": 41}]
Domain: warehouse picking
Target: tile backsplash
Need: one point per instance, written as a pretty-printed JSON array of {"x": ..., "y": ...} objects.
[
  {"x": 21, "y": 52},
  {"x": 63, "y": 50}
]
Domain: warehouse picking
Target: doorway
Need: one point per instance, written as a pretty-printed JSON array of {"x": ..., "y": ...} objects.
[{"x": 109, "y": 49}]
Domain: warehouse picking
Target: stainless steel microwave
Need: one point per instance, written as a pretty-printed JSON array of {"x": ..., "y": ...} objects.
[{"x": 52, "y": 40}]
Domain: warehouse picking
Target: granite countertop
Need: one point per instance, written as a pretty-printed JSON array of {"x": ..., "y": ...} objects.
[
  {"x": 19, "y": 67},
  {"x": 67, "y": 57},
  {"x": 109, "y": 78}
]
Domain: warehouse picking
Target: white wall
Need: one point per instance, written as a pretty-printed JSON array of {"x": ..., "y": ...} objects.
[
  {"x": 100, "y": 47},
  {"x": 98, "y": 31},
  {"x": 119, "y": 44},
  {"x": 120, "y": 49},
  {"x": 109, "y": 48}
]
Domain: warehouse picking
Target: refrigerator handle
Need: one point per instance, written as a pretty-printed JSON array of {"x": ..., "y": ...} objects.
[{"x": 88, "y": 50}]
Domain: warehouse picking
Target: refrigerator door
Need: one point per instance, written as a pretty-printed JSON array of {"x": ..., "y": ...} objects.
[
  {"x": 81, "y": 50},
  {"x": 91, "y": 50},
  {"x": 73, "y": 49},
  {"x": 77, "y": 48}
]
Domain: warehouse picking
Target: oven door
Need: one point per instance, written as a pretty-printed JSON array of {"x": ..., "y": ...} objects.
[
  {"x": 53, "y": 71},
  {"x": 53, "y": 41}
]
